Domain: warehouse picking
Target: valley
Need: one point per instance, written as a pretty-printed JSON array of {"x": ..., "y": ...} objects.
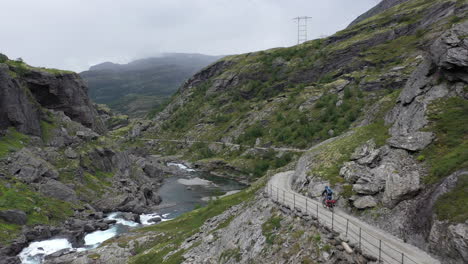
[{"x": 230, "y": 165}]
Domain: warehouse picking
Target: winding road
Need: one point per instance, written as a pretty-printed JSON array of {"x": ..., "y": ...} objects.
[
  {"x": 372, "y": 240},
  {"x": 219, "y": 143}
]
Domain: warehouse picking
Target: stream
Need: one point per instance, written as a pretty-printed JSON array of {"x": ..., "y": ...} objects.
[{"x": 180, "y": 194}]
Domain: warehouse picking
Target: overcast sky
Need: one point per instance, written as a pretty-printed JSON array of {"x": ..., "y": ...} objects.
[{"x": 75, "y": 34}]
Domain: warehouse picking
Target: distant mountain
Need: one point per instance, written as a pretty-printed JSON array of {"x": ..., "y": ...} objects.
[{"x": 141, "y": 85}]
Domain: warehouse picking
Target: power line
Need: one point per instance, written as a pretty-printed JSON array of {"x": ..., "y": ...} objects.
[{"x": 301, "y": 28}]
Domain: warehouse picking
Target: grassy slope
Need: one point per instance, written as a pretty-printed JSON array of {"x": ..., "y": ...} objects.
[
  {"x": 273, "y": 93},
  {"x": 180, "y": 229}
]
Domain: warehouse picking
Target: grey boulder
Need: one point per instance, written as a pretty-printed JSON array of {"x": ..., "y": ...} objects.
[
  {"x": 365, "y": 202},
  {"x": 14, "y": 216},
  {"x": 57, "y": 190}
]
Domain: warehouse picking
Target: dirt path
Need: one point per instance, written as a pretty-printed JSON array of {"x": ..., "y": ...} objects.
[
  {"x": 372, "y": 240},
  {"x": 221, "y": 143}
]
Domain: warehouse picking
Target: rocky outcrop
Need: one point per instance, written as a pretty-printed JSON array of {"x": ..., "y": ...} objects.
[
  {"x": 64, "y": 92},
  {"x": 450, "y": 53},
  {"x": 381, "y": 7},
  {"x": 16, "y": 107},
  {"x": 25, "y": 92}
]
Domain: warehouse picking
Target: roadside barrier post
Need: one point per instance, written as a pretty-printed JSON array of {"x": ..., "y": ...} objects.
[
  {"x": 317, "y": 214},
  {"x": 277, "y": 194},
  {"x": 380, "y": 250},
  {"x": 402, "y": 257},
  {"x": 294, "y": 201},
  {"x": 283, "y": 198},
  {"x": 347, "y": 223},
  {"x": 360, "y": 238},
  {"x": 306, "y": 204},
  {"x": 333, "y": 218}
]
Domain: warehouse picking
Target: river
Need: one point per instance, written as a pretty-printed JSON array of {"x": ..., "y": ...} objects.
[{"x": 179, "y": 194}]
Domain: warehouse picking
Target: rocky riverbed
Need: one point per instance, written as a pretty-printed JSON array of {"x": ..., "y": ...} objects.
[{"x": 179, "y": 194}]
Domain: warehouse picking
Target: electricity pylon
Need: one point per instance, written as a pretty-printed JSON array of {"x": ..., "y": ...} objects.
[{"x": 301, "y": 28}]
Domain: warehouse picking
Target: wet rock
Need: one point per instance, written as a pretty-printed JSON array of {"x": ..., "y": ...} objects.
[
  {"x": 39, "y": 232},
  {"x": 131, "y": 217},
  {"x": 365, "y": 202},
  {"x": 14, "y": 216},
  {"x": 10, "y": 260},
  {"x": 156, "y": 219}
]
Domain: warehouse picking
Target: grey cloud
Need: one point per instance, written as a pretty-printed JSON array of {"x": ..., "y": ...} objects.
[{"x": 74, "y": 34}]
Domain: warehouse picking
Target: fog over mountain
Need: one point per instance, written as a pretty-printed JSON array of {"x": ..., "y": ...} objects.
[
  {"x": 141, "y": 85},
  {"x": 76, "y": 34}
]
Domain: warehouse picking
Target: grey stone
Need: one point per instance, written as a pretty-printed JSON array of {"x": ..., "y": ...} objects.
[
  {"x": 352, "y": 172},
  {"x": 70, "y": 153},
  {"x": 14, "y": 216},
  {"x": 31, "y": 168},
  {"x": 363, "y": 150},
  {"x": 56, "y": 189},
  {"x": 414, "y": 141},
  {"x": 365, "y": 202}
]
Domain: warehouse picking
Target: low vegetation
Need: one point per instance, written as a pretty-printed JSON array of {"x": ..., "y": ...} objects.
[
  {"x": 39, "y": 209},
  {"x": 449, "y": 152},
  {"x": 185, "y": 226},
  {"x": 12, "y": 141}
]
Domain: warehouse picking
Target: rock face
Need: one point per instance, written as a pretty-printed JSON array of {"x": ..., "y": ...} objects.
[
  {"x": 24, "y": 92},
  {"x": 16, "y": 109}
]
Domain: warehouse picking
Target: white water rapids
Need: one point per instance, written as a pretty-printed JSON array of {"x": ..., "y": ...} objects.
[{"x": 36, "y": 251}]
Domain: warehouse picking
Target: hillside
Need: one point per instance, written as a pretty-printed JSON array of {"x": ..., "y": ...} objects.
[
  {"x": 385, "y": 99},
  {"x": 377, "y": 111},
  {"x": 141, "y": 85}
]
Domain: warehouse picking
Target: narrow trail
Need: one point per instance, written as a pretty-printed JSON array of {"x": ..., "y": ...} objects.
[
  {"x": 220, "y": 143},
  {"x": 372, "y": 240}
]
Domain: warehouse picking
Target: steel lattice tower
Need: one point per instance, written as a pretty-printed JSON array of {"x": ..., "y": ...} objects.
[{"x": 301, "y": 28}]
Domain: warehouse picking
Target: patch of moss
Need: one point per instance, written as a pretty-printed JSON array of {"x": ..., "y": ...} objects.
[
  {"x": 270, "y": 227},
  {"x": 47, "y": 129},
  {"x": 228, "y": 254},
  {"x": 39, "y": 209},
  {"x": 12, "y": 141},
  {"x": 449, "y": 152},
  {"x": 451, "y": 206}
]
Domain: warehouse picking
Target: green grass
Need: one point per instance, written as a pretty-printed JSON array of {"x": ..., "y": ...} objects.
[
  {"x": 332, "y": 155},
  {"x": 47, "y": 129},
  {"x": 233, "y": 253},
  {"x": 40, "y": 209},
  {"x": 12, "y": 141},
  {"x": 449, "y": 152},
  {"x": 21, "y": 68},
  {"x": 270, "y": 227},
  {"x": 186, "y": 225},
  {"x": 452, "y": 206}
]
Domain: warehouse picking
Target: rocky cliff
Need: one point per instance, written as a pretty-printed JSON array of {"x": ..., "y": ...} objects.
[{"x": 28, "y": 92}]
